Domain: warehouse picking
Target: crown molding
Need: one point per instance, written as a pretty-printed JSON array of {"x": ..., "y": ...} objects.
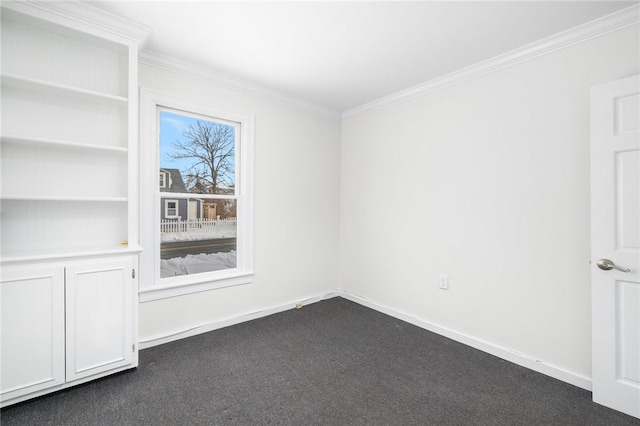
[
  {"x": 602, "y": 26},
  {"x": 84, "y": 17},
  {"x": 187, "y": 69}
]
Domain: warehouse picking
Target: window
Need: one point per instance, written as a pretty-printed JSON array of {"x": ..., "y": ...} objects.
[
  {"x": 199, "y": 153},
  {"x": 170, "y": 209},
  {"x": 201, "y": 234}
]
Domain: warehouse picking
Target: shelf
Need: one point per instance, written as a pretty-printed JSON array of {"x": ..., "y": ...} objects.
[
  {"x": 62, "y": 144},
  {"x": 69, "y": 126},
  {"x": 55, "y": 198},
  {"x": 43, "y": 86},
  {"x": 29, "y": 255}
]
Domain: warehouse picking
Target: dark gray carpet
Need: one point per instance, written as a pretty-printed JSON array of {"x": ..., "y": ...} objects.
[{"x": 330, "y": 363}]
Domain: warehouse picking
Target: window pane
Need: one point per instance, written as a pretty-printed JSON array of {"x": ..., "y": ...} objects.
[
  {"x": 201, "y": 239},
  {"x": 197, "y": 155}
]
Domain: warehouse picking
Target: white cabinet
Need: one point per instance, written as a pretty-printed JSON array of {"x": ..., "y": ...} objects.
[
  {"x": 99, "y": 316},
  {"x": 32, "y": 329},
  {"x": 66, "y": 323},
  {"x": 69, "y": 195}
]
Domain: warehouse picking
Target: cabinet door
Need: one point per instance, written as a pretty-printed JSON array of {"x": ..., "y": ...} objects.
[
  {"x": 100, "y": 296},
  {"x": 32, "y": 329}
]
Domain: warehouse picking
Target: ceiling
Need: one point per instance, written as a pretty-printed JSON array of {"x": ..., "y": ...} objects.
[{"x": 339, "y": 55}]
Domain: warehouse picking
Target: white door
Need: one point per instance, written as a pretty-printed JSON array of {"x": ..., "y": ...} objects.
[
  {"x": 32, "y": 329},
  {"x": 100, "y": 325},
  {"x": 192, "y": 211},
  {"x": 615, "y": 236}
]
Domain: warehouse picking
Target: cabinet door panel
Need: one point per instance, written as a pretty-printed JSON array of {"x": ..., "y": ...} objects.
[
  {"x": 99, "y": 316},
  {"x": 32, "y": 329}
]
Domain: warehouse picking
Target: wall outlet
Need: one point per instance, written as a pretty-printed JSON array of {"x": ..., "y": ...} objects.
[{"x": 444, "y": 281}]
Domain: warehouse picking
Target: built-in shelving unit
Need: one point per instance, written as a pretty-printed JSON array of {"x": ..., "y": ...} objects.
[
  {"x": 69, "y": 129},
  {"x": 68, "y": 196}
]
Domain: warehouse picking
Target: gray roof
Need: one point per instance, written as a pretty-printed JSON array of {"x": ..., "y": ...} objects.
[{"x": 177, "y": 184}]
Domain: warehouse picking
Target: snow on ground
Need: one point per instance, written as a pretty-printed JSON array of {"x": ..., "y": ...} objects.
[
  {"x": 168, "y": 237},
  {"x": 197, "y": 263}
]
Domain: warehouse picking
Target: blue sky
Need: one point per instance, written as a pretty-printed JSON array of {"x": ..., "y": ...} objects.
[{"x": 172, "y": 127}]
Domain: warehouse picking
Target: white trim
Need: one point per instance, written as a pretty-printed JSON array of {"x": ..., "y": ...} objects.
[
  {"x": 507, "y": 354},
  {"x": 166, "y": 208},
  {"x": 238, "y": 319},
  {"x": 195, "y": 195},
  {"x": 187, "y": 69},
  {"x": 31, "y": 256},
  {"x": 197, "y": 283},
  {"x": 168, "y": 181},
  {"x": 602, "y": 26},
  {"x": 153, "y": 287},
  {"x": 84, "y": 17}
]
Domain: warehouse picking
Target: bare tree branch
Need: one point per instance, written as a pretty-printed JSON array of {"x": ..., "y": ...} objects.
[{"x": 211, "y": 146}]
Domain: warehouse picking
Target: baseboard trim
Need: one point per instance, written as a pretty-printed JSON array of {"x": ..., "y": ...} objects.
[
  {"x": 488, "y": 347},
  {"x": 215, "y": 325}
]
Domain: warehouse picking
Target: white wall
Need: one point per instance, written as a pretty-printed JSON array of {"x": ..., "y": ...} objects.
[
  {"x": 487, "y": 181},
  {"x": 297, "y": 167}
]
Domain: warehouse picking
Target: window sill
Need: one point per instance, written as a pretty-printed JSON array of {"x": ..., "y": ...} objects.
[{"x": 204, "y": 283}]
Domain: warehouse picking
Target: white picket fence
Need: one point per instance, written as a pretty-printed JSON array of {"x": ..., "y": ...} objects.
[{"x": 177, "y": 230}]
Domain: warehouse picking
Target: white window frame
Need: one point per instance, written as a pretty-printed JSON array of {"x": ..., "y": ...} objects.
[
  {"x": 152, "y": 287},
  {"x": 163, "y": 180},
  {"x": 166, "y": 209}
]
